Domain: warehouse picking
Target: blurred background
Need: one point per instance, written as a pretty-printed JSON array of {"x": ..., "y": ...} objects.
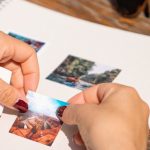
[{"x": 130, "y": 15}]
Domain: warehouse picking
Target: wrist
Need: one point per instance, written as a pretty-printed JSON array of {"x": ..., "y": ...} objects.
[{"x": 116, "y": 145}]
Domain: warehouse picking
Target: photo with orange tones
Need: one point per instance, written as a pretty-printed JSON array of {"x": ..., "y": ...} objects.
[{"x": 40, "y": 123}]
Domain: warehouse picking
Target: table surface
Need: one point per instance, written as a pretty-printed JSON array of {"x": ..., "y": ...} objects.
[{"x": 98, "y": 11}]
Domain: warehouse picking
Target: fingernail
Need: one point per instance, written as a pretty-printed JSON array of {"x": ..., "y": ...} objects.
[
  {"x": 21, "y": 105},
  {"x": 60, "y": 111}
]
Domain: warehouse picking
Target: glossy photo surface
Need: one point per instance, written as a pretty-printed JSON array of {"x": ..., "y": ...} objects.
[
  {"x": 80, "y": 73},
  {"x": 40, "y": 123}
]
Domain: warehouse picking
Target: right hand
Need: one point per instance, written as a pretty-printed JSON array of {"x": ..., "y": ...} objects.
[{"x": 109, "y": 117}]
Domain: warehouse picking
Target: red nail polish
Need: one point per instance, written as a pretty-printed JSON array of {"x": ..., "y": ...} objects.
[
  {"x": 60, "y": 111},
  {"x": 21, "y": 105}
]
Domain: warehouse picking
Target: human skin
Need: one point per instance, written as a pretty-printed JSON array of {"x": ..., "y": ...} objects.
[
  {"x": 21, "y": 59},
  {"x": 109, "y": 117}
]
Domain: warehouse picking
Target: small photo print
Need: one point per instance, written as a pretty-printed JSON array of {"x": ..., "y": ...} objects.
[
  {"x": 81, "y": 73},
  {"x": 36, "y": 127},
  {"x": 40, "y": 123},
  {"x": 37, "y": 45}
]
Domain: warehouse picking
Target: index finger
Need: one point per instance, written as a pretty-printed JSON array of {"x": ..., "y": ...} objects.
[
  {"x": 23, "y": 54},
  {"x": 95, "y": 94},
  {"x": 27, "y": 57}
]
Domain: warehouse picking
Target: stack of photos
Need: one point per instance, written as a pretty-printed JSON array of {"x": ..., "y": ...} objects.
[
  {"x": 37, "y": 45},
  {"x": 40, "y": 123},
  {"x": 81, "y": 73}
]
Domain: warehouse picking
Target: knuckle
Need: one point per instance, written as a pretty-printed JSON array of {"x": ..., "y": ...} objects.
[
  {"x": 146, "y": 108},
  {"x": 32, "y": 50},
  {"x": 7, "y": 96},
  {"x": 129, "y": 90},
  {"x": 108, "y": 86},
  {"x": 132, "y": 90},
  {"x": 114, "y": 86}
]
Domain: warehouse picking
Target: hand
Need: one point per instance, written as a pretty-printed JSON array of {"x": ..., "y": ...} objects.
[
  {"x": 21, "y": 59},
  {"x": 109, "y": 117}
]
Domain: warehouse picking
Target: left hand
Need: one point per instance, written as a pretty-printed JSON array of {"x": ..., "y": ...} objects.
[{"x": 21, "y": 59}]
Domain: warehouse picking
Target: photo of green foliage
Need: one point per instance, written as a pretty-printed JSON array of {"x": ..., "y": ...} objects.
[{"x": 81, "y": 73}]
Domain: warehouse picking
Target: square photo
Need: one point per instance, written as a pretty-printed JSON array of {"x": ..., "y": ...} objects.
[
  {"x": 37, "y": 45},
  {"x": 40, "y": 123},
  {"x": 81, "y": 73}
]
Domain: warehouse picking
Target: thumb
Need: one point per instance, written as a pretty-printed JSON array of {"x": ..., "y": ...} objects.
[
  {"x": 9, "y": 97},
  {"x": 78, "y": 114}
]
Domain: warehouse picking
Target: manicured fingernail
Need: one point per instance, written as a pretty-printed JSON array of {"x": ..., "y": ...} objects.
[
  {"x": 21, "y": 105},
  {"x": 60, "y": 111}
]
